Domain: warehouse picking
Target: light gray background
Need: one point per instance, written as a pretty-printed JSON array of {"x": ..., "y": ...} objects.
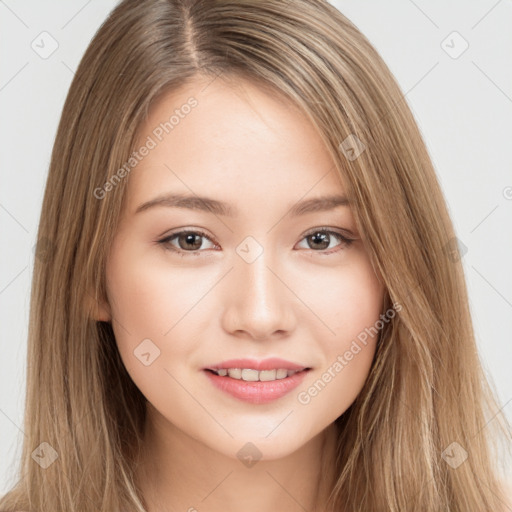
[{"x": 463, "y": 106}]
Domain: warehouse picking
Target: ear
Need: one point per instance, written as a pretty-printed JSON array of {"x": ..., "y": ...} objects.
[{"x": 98, "y": 309}]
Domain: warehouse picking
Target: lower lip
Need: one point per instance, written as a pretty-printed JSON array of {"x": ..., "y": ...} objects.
[{"x": 257, "y": 392}]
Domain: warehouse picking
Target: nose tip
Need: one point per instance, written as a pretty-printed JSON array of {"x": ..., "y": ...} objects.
[{"x": 258, "y": 302}]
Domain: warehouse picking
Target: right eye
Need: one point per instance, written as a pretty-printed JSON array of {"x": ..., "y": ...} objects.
[{"x": 188, "y": 241}]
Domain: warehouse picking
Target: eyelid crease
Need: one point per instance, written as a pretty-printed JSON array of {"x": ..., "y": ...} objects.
[{"x": 346, "y": 241}]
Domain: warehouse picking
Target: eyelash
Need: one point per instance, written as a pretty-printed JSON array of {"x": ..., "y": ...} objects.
[{"x": 345, "y": 241}]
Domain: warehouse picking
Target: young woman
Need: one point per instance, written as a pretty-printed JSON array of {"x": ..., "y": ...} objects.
[{"x": 247, "y": 294}]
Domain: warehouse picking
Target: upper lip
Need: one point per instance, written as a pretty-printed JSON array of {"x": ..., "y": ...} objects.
[{"x": 273, "y": 363}]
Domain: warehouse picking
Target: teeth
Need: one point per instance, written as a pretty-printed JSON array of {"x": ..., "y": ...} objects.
[
  {"x": 235, "y": 373},
  {"x": 250, "y": 375},
  {"x": 268, "y": 375},
  {"x": 281, "y": 373}
]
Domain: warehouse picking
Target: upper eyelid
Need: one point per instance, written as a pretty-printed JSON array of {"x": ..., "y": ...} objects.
[
  {"x": 194, "y": 231},
  {"x": 344, "y": 237}
]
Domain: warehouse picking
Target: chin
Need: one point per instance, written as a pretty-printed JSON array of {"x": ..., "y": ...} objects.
[{"x": 262, "y": 446}]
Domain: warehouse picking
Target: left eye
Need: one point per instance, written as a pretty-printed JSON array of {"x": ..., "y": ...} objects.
[
  {"x": 324, "y": 237},
  {"x": 191, "y": 241}
]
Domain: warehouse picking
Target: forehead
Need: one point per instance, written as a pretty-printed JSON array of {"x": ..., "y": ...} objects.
[{"x": 230, "y": 138}]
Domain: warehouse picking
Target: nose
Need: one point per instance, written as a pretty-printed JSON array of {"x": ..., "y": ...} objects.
[{"x": 258, "y": 303}]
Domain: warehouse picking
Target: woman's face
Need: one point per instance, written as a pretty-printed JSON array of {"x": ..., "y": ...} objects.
[{"x": 256, "y": 281}]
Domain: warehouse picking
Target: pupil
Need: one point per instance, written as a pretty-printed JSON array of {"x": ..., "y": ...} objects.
[
  {"x": 323, "y": 239},
  {"x": 195, "y": 240},
  {"x": 189, "y": 239}
]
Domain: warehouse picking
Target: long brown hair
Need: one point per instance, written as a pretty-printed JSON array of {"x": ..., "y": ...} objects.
[{"x": 426, "y": 399}]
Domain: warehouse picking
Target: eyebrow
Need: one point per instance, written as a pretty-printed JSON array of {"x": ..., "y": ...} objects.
[{"x": 202, "y": 203}]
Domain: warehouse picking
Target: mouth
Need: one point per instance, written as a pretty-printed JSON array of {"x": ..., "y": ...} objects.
[
  {"x": 253, "y": 370},
  {"x": 253, "y": 375},
  {"x": 256, "y": 382}
]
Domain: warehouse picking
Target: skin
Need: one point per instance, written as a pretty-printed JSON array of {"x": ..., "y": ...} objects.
[{"x": 242, "y": 146}]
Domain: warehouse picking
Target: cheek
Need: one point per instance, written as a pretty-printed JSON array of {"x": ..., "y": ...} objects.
[
  {"x": 138, "y": 299},
  {"x": 147, "y": 304},
  {"x": 150, "y": 299},
  {"x": 351, "y": 304},
  {"x": 148, "y": 296},
  {"x": 357, "y": 324},
  {"x": 348, "y": 299}
]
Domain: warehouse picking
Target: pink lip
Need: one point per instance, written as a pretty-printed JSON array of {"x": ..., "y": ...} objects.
[
  {"x": 272, "y": 363},
  {"x": 256, "y": 392}
]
